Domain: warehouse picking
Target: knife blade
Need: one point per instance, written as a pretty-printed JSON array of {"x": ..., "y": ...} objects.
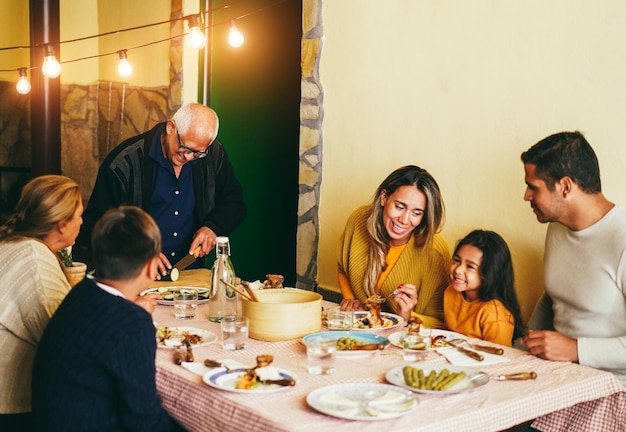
[{"x": 187, "y": 260}]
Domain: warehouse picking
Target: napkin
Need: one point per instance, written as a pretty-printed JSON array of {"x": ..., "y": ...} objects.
[
  {"x": 459, "y": 359},
  {"x": 200, "y": 369},
  {"x": 389, "y": 398},
  {"x": 390, "y": 402},
  {"x": 267, "y": 373},
  {"x": 341, "y": 404}
]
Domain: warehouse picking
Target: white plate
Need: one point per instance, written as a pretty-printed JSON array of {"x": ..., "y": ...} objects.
[
  {"x": 362, "y": 401},
  {"x": 175, "y": 338},
  {"x": 226, "y": 380},
  {"x": 364, "y": 338},
  {"x": 394, "y": 338},
  {"x": 389, "y": 321},
  {"x": 167, "y": 294},
  {"x": 396, "y": 377}
]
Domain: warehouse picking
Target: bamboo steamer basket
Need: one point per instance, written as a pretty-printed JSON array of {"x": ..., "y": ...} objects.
[{"x": 283, "y": 314}]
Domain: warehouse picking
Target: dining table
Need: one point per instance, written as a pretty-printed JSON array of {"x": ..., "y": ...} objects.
[{"x": 564, "y": 396}]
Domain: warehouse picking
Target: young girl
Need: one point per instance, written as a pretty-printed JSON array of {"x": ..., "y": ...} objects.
[{"x": 481, "y": 300}]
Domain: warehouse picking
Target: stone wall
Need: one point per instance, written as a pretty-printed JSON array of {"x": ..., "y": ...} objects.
[
  {"x": 95, "y": 118},
  {"x": 311, "y": 116}
]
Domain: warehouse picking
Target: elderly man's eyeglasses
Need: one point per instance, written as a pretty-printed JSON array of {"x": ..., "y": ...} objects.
[{"x": 184, "y": 150}]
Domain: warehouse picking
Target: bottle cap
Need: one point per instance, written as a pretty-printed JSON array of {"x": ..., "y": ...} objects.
[{"x": 221, "y": 239}]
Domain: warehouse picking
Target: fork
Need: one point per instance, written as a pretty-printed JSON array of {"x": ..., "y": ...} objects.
[
  {"x": 214, "y": 363},
  {"x": 382, "y": 300}
]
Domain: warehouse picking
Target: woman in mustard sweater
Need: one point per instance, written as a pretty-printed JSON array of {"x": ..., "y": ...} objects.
[
  {"x": 393, "y": 243},
  {"x": 481, "y": 300}
]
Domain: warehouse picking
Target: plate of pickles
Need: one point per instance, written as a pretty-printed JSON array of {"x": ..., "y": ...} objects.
[{"x": 436, "y": 378}]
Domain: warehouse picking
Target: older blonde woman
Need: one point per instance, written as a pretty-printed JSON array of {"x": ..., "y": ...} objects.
[{"x": 32, "y": 284}]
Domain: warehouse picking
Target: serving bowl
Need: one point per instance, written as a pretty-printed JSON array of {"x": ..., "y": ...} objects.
[{"x": 283, "y": 314}]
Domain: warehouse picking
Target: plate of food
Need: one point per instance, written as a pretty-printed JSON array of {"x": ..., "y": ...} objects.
[
  {"x": 439, "y": 379},
  {"x": 350, "y": 344},
  {"x": 171, "y": 337},
  {"x": 439, "y": 342},
  {"x": 266, "y": 379},
  {"x": 167, "y": 294},
  {"x": 363, "y": 321},
  {"x": 362, "y": 401}
]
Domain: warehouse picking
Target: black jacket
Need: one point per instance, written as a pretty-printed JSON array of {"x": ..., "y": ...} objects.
[{"x": 125, "y": 177}]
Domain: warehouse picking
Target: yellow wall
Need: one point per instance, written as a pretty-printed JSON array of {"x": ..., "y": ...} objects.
[
  {"x": 14, "y": 32},
  {"x": 81, "y": 19},
  {"x": 150, "y": 63},
  {"x": 461, "y": 89}
]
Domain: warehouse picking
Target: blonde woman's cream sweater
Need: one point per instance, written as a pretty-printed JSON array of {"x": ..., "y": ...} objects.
[{"x": 32, "y": 285}]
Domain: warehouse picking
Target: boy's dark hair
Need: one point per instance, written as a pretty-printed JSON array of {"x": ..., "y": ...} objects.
[
  {"x": 123, "y": 240},
  {"x": 496, "y": 270},
  {"x": 565, "y": 154}
]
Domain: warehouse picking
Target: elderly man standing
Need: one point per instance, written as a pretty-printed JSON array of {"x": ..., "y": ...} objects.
[
  {"x": 582, "y": 315},
  {"x": 178, "y": 173}
]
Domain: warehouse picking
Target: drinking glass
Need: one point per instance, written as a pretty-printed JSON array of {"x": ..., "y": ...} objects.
[
  {"x": 336, "y": 319},
  {"x": 234, "y": 332},
  {"x": 320, "y": 356},
  {"x": 415, "y": 346},
  {"x": 185, "y": 303}
]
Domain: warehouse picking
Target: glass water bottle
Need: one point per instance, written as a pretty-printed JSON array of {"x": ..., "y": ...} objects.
[{"x": 223, "y": 300}]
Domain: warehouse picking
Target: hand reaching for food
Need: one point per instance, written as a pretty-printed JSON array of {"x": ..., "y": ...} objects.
[{"x": 350, "y": 305}]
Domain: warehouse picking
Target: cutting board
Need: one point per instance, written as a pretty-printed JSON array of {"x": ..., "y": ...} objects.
[{"x": 200, "y": 278}]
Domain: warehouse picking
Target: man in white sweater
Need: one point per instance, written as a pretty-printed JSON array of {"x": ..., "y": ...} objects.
[{"x": 582, "y": 314}]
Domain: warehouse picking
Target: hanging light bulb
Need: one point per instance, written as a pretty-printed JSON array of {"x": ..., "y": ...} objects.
[
  {"x": 235, "y": 38},
  {"x": 124, "y": 68},
  {"x": 51, "y": 67},
  {"x": 23, "y": 85},
  {"x": 195, "y": 39}
]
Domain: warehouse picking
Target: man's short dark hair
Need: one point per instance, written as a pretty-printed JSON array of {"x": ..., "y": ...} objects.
[
  {"x": 565, "y": 154},
  {"x": 123, "y": 240}
]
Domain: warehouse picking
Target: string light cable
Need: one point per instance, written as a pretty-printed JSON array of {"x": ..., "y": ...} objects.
[{"x": 52, "y": 67}]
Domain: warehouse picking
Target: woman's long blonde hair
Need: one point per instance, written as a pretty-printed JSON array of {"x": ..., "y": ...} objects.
[
  {"x": 45, "y": 201},
  {"x": 423, "y": 234}
]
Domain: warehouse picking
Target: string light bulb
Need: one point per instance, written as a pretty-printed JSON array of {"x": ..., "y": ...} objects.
[
  {"x": 235, "y": 37},
  {"x": 51, "y": 67},
  {"x": 124, "y": 68},
  {"x": 23, "y": 85},
  {"x": 195, "y": 39}
]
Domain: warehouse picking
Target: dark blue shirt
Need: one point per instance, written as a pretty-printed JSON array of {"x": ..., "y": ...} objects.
[{"x": 172, "y": 204}]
